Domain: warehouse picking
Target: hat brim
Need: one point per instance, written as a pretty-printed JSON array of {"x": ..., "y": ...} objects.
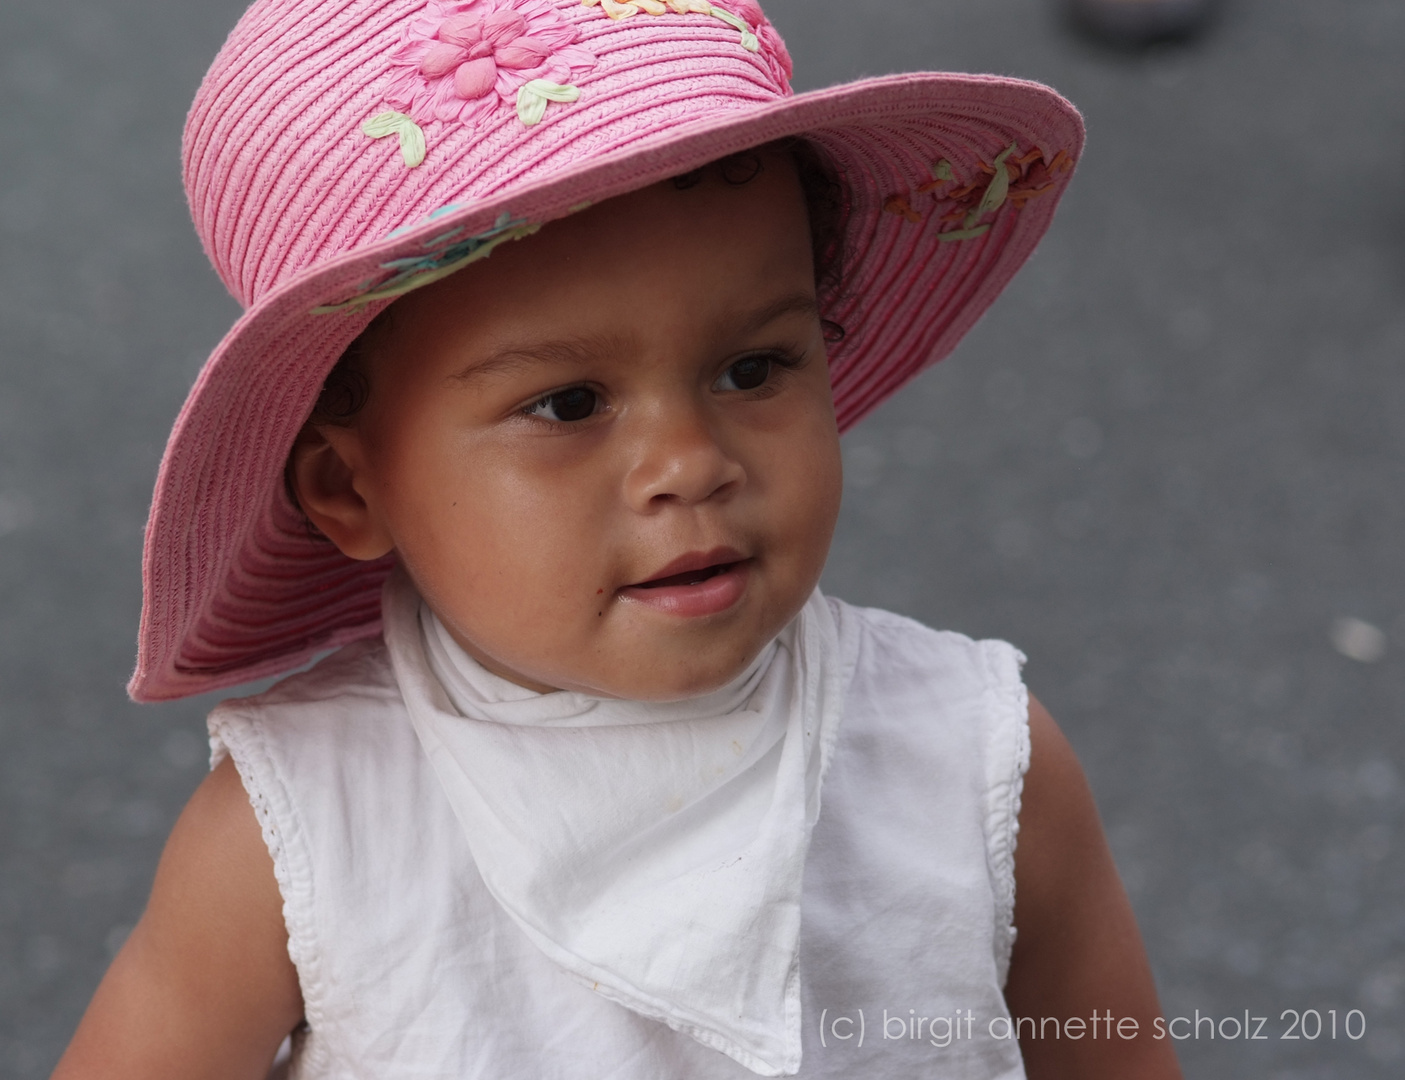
[{"x": 236, "y": 584}]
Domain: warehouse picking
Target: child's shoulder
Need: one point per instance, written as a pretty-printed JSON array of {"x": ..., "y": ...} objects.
[
  {"x": 346, "y": 707},
  {"x": 885, "y": 646},
  {"x": 355, "y": 673}
]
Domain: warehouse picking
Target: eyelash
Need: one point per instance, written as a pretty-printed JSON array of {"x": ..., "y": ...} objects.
[
  {"x": 784, "y": 359},
  {"x": 546, "y": 400}
]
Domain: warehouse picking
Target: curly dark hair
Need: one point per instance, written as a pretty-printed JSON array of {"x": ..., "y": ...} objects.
[{"x": 346, "y": 389}]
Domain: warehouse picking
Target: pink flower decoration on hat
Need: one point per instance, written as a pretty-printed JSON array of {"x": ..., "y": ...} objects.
[{"x": 461, "y": 59}]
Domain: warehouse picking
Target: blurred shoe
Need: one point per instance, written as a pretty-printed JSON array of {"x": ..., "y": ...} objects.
[{"x": 1142, "y": 22}]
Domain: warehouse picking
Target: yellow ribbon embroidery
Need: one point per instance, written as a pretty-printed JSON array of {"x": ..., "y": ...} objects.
[
  {"x": 1013, "y": 179},
  {"x": 384, "y": 124},
  {"x": 749, "y": 42},
  {"x": 995, "y": 192},
  {"x": 962, "y": 234},
  {"x": 623, "y": 9},
  {"x": 533, "y": 96}
]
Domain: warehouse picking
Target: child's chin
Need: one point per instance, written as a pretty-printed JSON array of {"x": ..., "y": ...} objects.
[{"x": 665, "y": 676}]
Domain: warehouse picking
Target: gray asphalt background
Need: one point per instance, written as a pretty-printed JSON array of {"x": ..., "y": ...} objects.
[{"x": 1165, "y": 465}]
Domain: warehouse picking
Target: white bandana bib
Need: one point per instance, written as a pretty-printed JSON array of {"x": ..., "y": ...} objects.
[{"x": 653, "y": 851}]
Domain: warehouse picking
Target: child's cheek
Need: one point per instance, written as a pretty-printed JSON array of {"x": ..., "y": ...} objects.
[
  {"x": 799, "y": 486},
  {"x": 510, "y": 535}
]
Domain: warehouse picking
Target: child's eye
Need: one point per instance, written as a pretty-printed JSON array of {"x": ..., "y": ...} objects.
[
  {"x": 565, "y": 406},
  {"x": 748, "y": 373}
]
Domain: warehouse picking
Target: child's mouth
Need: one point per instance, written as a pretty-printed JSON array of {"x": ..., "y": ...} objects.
[
  {"x": 703, "y": 583},
  {"x": 688, "y": 577}
]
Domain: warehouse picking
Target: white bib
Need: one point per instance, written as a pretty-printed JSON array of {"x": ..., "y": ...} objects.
[{"x": 653, "y": 851}]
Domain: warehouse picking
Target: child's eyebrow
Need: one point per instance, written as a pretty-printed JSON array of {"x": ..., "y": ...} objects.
[
  {"x": 516, "y": 358},
  {"x": 800, "y": 303},
  {"x": 579, "y": 351}
]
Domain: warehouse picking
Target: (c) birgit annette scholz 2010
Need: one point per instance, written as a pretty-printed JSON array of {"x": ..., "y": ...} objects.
[{"x": 843, "y": 1026}]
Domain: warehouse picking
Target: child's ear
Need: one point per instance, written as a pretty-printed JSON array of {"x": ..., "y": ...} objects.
[{"x": 324, "y": 468}]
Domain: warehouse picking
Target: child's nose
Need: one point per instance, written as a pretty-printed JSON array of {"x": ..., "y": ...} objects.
[{"x": 678, "y": 458}]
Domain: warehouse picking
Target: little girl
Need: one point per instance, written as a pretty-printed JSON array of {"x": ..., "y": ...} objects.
[{"x": 595, "y": 783}]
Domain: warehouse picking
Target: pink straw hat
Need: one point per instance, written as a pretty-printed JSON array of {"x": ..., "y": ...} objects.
[{"x": 343, "y": 152}]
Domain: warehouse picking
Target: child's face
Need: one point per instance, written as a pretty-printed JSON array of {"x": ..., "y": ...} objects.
[{"x": 639, "y": 392}]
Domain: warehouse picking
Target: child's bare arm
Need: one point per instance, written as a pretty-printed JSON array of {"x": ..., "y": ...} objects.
[
  {"x": 204, "y": 987},
  {"x": 1078, "y": 952}
]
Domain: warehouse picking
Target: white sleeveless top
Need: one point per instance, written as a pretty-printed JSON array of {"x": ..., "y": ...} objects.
[{"x": 410, "y": 968}]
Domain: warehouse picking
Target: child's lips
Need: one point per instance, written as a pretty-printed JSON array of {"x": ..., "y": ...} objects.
[{"x": 694, "y": 585}]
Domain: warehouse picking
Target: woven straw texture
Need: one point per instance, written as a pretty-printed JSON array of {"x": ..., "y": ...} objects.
[{"x": 296, "y": 205}]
